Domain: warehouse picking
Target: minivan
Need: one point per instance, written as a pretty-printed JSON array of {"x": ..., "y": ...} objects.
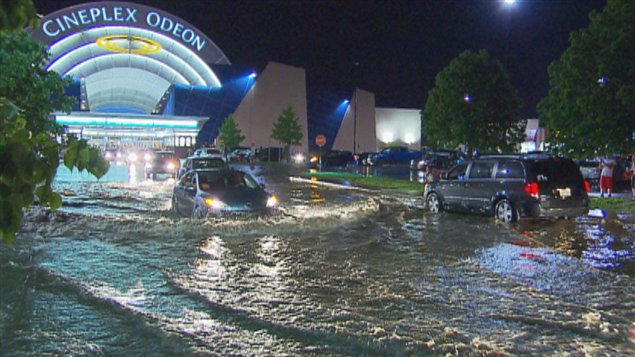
[{"x": 511, "y": 186}]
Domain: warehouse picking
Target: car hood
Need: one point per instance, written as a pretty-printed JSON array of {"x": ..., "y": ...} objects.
[{"x": 241, "y": 198}]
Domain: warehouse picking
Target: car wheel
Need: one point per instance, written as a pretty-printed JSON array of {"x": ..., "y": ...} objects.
[
  {"x": 175, "y": 207},
  {"x": 505, "y": 211},
  {"x": 199, "y": 212},
  {"x": 433, "y": 203}
]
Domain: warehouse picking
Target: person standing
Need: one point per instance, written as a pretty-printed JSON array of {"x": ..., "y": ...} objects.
[
  {"x": 606, "y": 176},
  {"x": 632, "y": 171}
]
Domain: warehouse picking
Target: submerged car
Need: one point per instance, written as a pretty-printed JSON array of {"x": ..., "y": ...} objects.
[
  {"x": 208, "y": 152},
  {"x": 161, "y": 162},
  {"x": 511, "y": 186},
  {"x": 200, "y": 193}
]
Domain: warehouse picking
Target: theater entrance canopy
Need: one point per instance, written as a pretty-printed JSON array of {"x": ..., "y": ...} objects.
[{"x": 124, "y": 58}]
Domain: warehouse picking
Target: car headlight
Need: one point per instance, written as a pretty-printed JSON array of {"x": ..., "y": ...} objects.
[
  {"x": 148, "y": 165},
  {"x": 132, "y": 157},
  {"x": 215, "y": 203},
  {"x": 170, "y": 166},
  {"x": 147, "y": 157},
  {"x": 314, "y": 158},
  {"x": 108, "y": 155},
  {"x": 272, "y": 201}
]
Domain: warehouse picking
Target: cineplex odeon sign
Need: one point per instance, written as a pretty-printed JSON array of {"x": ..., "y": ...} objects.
[{"x": 77, "y": 18}]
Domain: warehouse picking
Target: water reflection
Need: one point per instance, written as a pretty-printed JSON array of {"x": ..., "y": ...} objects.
[{"x": 605, "y": 244}]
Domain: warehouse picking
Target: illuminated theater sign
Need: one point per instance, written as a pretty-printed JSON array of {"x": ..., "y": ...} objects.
[
  {"x": 125, "y": 59},
  {"x": 81, "y": 17}
]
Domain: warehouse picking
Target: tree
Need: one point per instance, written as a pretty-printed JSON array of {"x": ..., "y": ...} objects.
[
  {"x": 473, "y": 103},
  {"x": 287, "y": 130},
  {"x": 229, "y": 134},
  {"x": 29, "y": 150},
  {"x": 591, "y": 102}
]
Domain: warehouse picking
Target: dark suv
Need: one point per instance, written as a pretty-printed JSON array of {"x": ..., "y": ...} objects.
[{"x": 511, "y": 186}]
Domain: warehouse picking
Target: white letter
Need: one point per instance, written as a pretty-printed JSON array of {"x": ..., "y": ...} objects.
[
  {"x": 83, "y": 16},
  {"x": 163, "y": 23},
  {"x": 47, "y": 31},
  {"x": 118, "y": 12},
  {"x": 94, "y": 13},
  {"x": 149, "y": 19}
]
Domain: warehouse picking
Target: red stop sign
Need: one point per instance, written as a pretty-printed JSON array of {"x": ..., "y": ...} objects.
[{"x": 320, "y": 140}]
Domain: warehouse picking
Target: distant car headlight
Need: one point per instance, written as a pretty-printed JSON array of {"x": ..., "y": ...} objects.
[
  {"x": 132, "y": 157},
  {"x": 298, "y": 158},
  {"x": 148, "y": 165},
  {"x": 314, "y": 159},
  {"x": 108, "y": 155},
  {"x": 215, "y": 203},
  {"x": 272, "y": 201},
  {"x": 147, "y": 157},
  {"x": 170, "y": 166}
]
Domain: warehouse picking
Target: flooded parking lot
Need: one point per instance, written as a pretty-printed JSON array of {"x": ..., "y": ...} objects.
[{"x": 335, "y": 272}]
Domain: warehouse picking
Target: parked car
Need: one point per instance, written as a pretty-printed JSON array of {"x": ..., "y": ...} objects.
[
  {"x": 161, "y": 162},
  {"x": 200, "y": 193},
  {"x": 239, "y": 154},
  {"x": 393, "y": 155},
  {"x": 208, "y": 152},
  {"x": 511, "y": 186},
  {"x": 436, "y": 163},
  {"x": 202, "y": 162},
  {"x": 421, "y": 162},
  {"x": 334, "y": 158},
  {"x": 273, "y": 154}
]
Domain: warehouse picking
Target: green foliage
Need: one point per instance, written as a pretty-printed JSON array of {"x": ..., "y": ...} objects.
[
  {"x": 229, "y": 134},
  {"x": 287, "y": 130},
  {"x": 473, "y": 103},
  {"x": 15, "y": 14},
  {"x": 590, "y": 107},
  {"x": 29, "y": 153}
]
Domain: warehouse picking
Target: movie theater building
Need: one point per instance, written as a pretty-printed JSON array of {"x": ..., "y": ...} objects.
[{"x": 143, "y": 77}]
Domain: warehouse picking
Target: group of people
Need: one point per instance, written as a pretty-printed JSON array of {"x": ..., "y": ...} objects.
[{"x": 608, "y": 164}]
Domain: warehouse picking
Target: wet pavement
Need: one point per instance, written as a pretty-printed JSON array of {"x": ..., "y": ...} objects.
[{"x": 335, "y": 272}]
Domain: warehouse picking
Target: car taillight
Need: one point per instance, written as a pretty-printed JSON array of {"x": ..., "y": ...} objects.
[
  {"x": 532, "y": 190},
  {"x": 587, "y": 186}
]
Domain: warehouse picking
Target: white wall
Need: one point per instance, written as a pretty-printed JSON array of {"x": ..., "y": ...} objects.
[
  {"x": 277, "y": 87},
  {"x": 363, "y": 123},
  {"x": 398, "y": 125}
]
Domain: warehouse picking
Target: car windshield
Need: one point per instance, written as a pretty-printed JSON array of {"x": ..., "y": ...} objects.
[
  {"x": 163, "y": 157},
  {"x": 210, "y": 163},
  {"x": 214, "y": 181}
]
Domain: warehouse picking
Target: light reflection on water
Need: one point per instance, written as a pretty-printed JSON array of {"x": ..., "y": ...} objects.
[{"x": 334, "y": 276}]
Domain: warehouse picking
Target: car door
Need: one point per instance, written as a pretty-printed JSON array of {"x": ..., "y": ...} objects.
[
  {"x": 453, "y": 187},
  {"x": 478, "y": 188},
  {"x": 185, "y": 192}
]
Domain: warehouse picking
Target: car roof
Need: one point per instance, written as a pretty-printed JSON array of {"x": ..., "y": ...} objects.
[
  {"x": 521, "y": 156},
  {"x": 206, "y": 157}
]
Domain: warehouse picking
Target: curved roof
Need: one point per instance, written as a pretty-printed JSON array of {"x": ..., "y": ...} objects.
[{"x": 127, "y": 55}]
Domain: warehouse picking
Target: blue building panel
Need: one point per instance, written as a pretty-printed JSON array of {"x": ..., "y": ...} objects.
[
  {"x": 215, "y": 103},
  {"x": 325, "y": 113}
]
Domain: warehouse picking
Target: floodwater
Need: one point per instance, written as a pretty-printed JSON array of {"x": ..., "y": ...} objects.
[{"x": 336, "y": 272}]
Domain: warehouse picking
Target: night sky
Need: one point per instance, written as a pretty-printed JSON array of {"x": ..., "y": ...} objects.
[{"x": 391, "y": 48}]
